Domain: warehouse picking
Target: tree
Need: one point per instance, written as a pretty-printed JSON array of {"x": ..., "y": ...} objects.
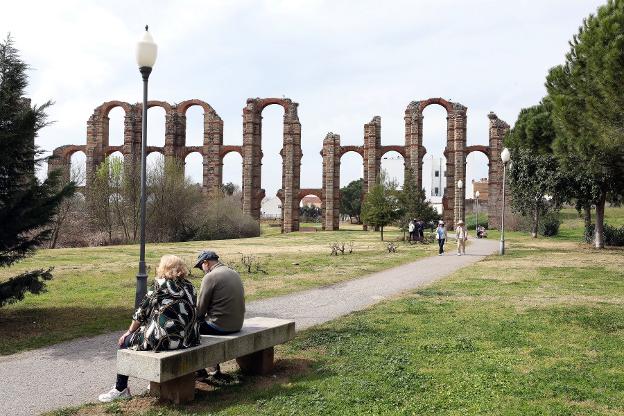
[
  {"x": 535, "y": 173},
  {"x": 533, "y": 179},
  {"x": 587, "y": 100},
  {"x": 172, "y": 199},
  {"x": 413, "y": 202},
  {"x": 381, "y": 205},
  {"x": 229, "y": 188},
  {"x": 534, "y": 129},
  {"x": 351, "y": 200},
  {"x": 100, "y": 200},
  {"x": 27, "y": 207},
  {"x": 310, "y": 213}
]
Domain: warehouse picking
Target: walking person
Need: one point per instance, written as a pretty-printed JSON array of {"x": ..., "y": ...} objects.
[
  {"x": 461, "y": 233},
  {"x": 165, "y": 319},
  {"x": 441, "y": 236}
]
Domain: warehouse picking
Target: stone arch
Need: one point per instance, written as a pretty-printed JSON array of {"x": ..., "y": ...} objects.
[
  {"x": 291, "y": 159},
  {"x": 319, "y": 194},
  {"x": 234, "y": 156},
  {"x": 212, "y": 142},
  {"x": 228, "y": 149},
  {"x": 153, "y": 157},
  {"x": 190, "y": 162},
  {"x": 77, "y": 166},
  {"x": 393, "y": 149},
  {"x": 478, "y": 148},
  {"x": 60, "y": 160},
  {"x": 453, "y": 200}
]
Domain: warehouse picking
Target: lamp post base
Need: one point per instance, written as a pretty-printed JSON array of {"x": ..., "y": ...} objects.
[
  {"x": 501, "y": 248},
  {"x": 141, "y": 288}
]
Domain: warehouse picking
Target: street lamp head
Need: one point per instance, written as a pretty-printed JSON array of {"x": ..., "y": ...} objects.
[
  {"x": 505, "y": 155},
  {"x": 460, "y": 184},
  {"x": 477, "y": 194},
  {"x": 146, "y": 51}
]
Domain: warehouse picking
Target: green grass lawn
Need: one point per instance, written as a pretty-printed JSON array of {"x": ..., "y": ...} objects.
[
  {"x": 539, "y": 331},
  {"x": 93, "y": 288}
]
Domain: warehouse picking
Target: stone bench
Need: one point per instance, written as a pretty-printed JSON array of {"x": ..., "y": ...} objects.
[{"x": 172, "y": 373}]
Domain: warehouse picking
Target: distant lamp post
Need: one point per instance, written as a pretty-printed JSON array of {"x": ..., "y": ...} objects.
[
  {"x": 505, "y": 157},
  {"x": 477, "y": 211},
  {"x": 146, "y": 52}
]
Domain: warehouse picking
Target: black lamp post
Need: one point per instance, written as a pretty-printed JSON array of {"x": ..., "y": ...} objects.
[
  {"x": 505, "y": 157},
  {"x": 477, "y": 211},
  {"x": 146, "y": 53}
]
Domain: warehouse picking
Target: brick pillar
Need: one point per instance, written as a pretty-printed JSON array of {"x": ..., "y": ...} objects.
[
  {"x": 94, "y": 129},
  {"x": 459, "y": 132},
  {"x": 448, "y": 197},
  {"x": 291, "y": 167},
  {"x": 372, "y": 156},
  {"x": 132, "y": 140},
  {"x": 252, "y": 158},
  {"x": 498, "y": 129},
  {"x": 174, "y": 138},
  {"x": 331, "y": 181},
  {"x": 413, "y": 141},
  {"x": 58, "y": 162},
  {"x": 213, "y": 165}
]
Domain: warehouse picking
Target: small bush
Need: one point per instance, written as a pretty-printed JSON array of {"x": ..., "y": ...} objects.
[
  {"x": 223, "y": 219},
  {"x": 613, "y": 236},
  {"x": 550, "y": 225}
]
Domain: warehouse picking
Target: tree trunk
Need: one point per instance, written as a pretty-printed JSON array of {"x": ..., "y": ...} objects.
[
  {"x": 599, "y": 233},
  {"x": 587, "y": 215},
  {"x": 535, "y": 226},
  {"x": 381, "y": 233}
]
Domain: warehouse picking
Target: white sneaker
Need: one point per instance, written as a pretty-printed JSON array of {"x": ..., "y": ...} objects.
[
  {"x": 459, "y": 254},
  {"x": 114, "y": 394}
]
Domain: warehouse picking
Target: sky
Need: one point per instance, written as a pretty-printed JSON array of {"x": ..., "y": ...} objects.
[{"x": 344, "y": 62}]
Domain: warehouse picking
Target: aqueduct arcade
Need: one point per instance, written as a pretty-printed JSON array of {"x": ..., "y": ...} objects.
[{"x": 213, "y": 151}]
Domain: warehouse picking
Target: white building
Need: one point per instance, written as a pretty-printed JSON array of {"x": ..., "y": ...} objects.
[
  {"x": 271, "y": 208},
  {"x": 434, "y": 179}
]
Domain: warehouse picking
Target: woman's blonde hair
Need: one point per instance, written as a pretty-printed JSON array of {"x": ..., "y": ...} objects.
[{"x": 171, "y": 267}]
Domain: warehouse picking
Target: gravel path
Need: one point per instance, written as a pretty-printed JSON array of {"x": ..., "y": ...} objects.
[{"x": 75, "y": 372}]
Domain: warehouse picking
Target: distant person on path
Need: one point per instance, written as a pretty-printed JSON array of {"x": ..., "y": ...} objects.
[
  {"x": 461, "y": 233},
  {"x": 411, "y": 227},
  {"x": 221, "y": 304},
  {"x": 440, "y": 234},
  {"x": 165, "y": 319}
]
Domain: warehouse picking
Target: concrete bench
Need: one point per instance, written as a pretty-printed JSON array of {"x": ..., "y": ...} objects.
[{"x": 172, "y": 373}]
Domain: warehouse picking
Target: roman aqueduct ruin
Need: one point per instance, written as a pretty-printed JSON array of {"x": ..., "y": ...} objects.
[{"x": 213, "y": 151}]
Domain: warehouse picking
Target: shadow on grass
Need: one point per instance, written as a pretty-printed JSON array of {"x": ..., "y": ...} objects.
[{"x": 25, "y": 329}]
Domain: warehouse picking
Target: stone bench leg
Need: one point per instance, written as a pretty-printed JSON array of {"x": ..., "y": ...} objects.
[
  {"x": 259, "y": 363},
  {"x": 179, "y": 390}
]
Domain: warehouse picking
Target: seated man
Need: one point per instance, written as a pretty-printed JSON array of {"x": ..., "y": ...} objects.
[{"x": 221, "y": 301}]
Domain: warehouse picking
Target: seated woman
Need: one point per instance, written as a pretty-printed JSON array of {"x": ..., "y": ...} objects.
[{"x": 165, "y": 319}]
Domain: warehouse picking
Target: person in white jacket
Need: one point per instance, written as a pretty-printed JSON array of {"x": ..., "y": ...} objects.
[{"x": 461, "y": 233}]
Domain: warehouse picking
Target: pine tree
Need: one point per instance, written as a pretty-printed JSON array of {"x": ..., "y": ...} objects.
[
  {"x": 27, "y": 207},
  {"x": 587, "y": 97}
]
